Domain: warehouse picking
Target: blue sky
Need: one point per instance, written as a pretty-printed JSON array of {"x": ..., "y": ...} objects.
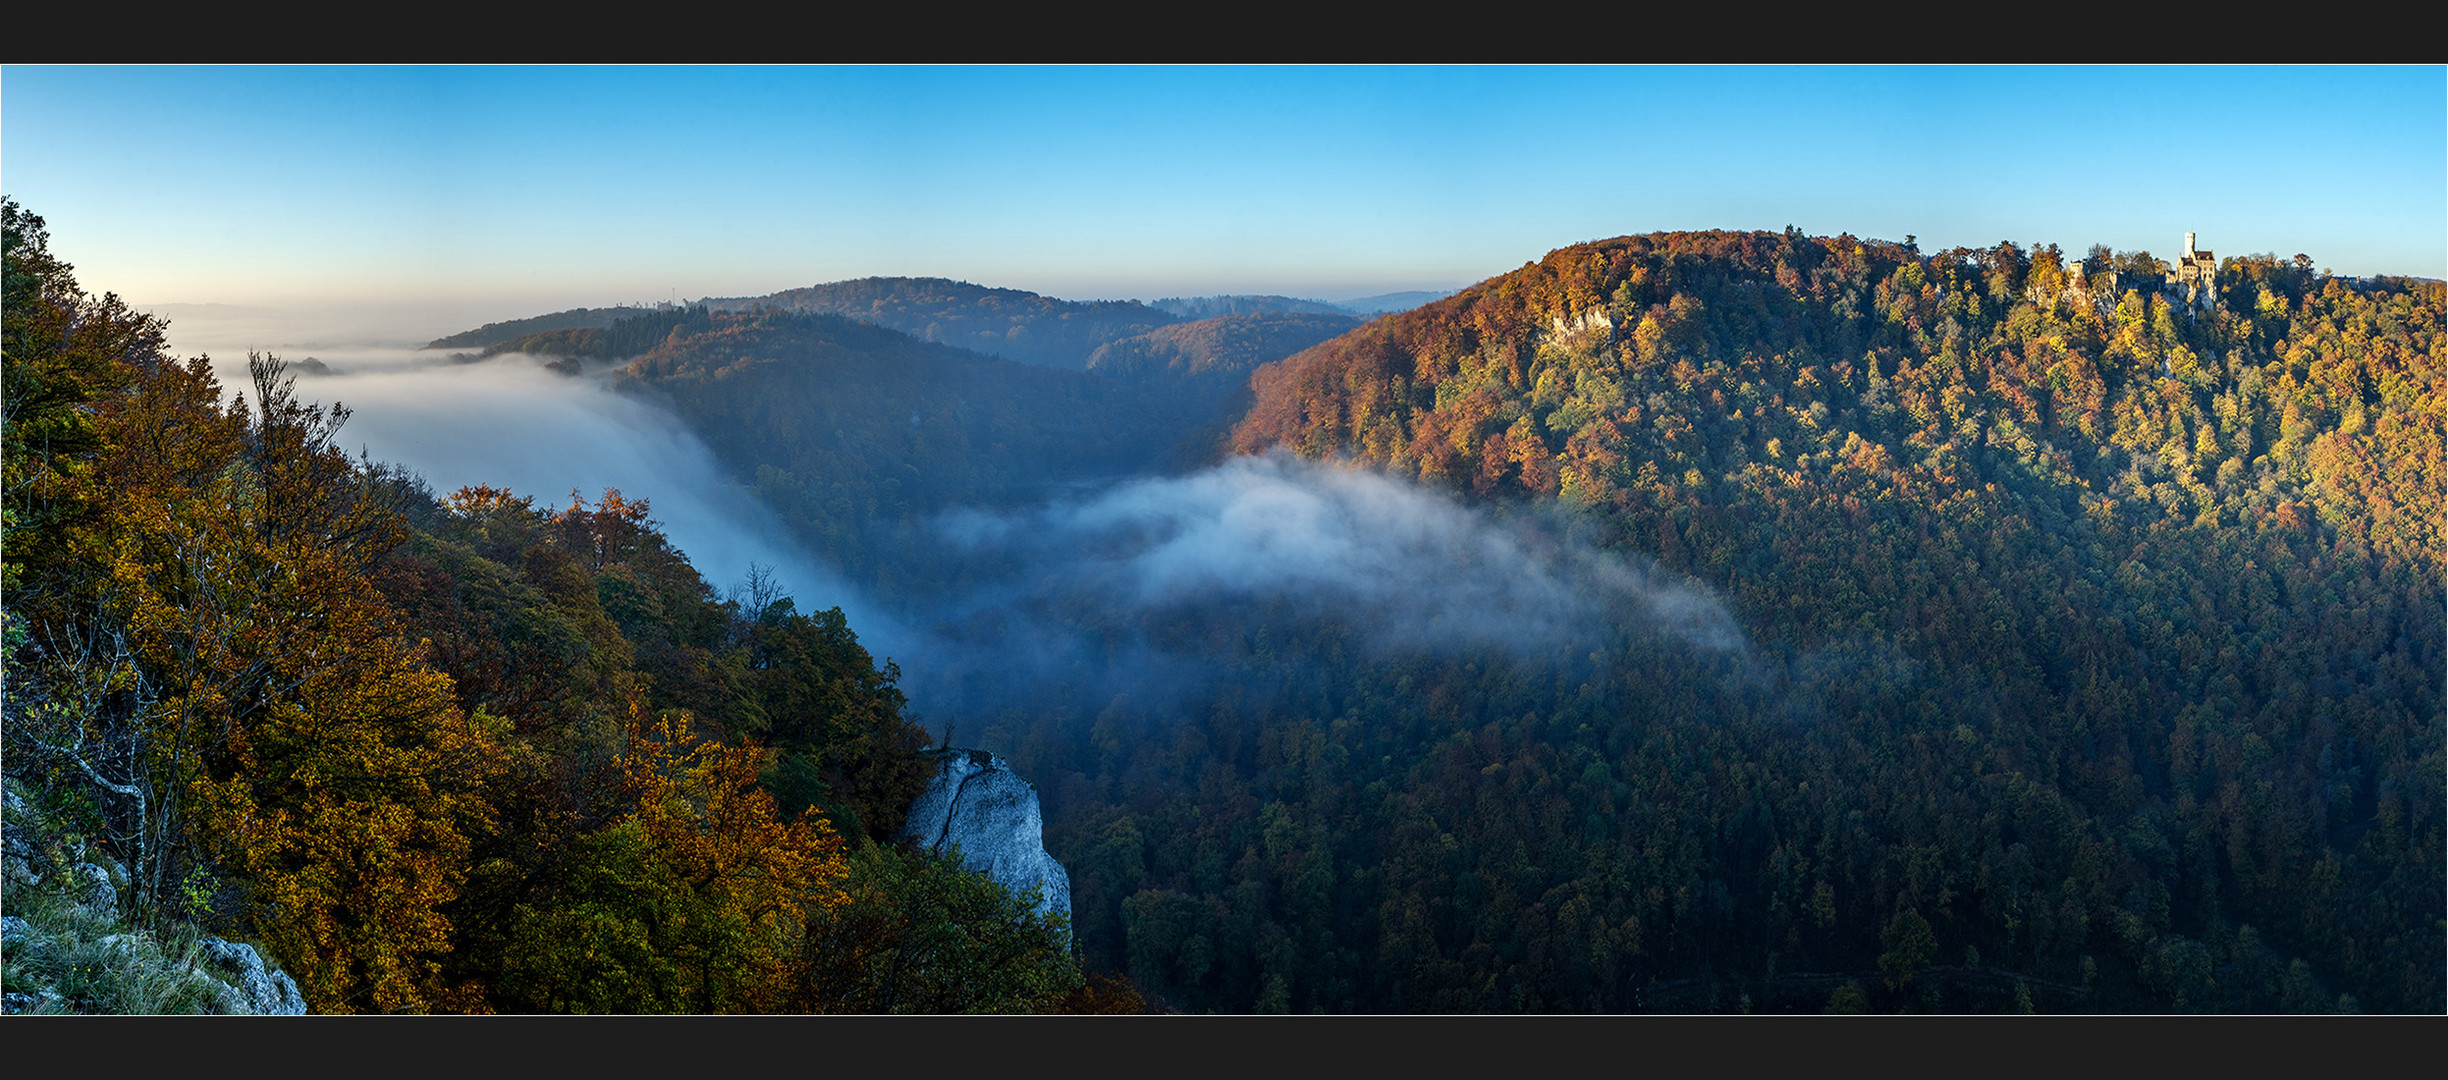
[{"x": 517, "y": 190}]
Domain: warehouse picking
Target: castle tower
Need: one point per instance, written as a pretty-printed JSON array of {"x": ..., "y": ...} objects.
[{"x": 2194, "y": 273}]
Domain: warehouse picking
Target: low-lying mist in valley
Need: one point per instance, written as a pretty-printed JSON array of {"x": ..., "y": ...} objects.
[
  {"x": 1156, "y": 588},
  {"x": 512, "y": 423}
]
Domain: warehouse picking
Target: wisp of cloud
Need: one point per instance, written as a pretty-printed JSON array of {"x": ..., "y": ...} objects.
[{"x": 1092, "y": 596}]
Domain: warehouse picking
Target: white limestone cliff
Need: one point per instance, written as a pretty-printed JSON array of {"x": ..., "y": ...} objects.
[{"x": 979, "y": 806}]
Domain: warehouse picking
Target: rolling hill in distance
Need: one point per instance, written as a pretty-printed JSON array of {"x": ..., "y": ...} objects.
[
  {"x": 493, "y": 334},
  {"x": 1009, "y": 323}
]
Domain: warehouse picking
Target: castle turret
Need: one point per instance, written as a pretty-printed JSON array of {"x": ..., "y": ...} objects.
[{"x": 2194, "y": 271}]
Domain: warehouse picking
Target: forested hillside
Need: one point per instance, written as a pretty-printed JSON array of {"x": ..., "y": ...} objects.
[
  {"x": 2092, "y": 637},
  {"x": 1008, "y": 323},
  {"x": 492, "y": 334},
  {"x": 2105, "y": 631},
  {"x": 1209, "y": 307},
  {"x": 1222, "y": 347},
  {"x": 442, "y": 754}
]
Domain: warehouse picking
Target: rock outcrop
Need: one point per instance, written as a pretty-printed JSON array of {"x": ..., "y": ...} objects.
[
  {"x": 978, "y": 805},
  {"x": 254, "y": 988},
  {"x": 71, "y": 948}
]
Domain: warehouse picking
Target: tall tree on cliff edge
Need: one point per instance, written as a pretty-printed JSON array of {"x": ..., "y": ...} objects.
[{"x": 63, "y": 352}]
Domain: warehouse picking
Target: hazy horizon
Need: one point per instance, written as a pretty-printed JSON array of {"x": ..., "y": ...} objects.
[{"x": 479, "y": 194}]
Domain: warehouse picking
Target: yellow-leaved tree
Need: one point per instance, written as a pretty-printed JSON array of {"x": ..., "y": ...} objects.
[
  {"x": 695, "y": 898},
  {"x": 293, "y": 743}
]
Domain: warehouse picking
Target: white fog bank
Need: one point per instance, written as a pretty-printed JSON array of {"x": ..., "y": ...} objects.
[
  {"x": 512, "y": 423},
  {"x": 1420, "y": 567}
]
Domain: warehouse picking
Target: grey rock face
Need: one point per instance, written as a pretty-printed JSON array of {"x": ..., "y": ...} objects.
[
  {"x": 253, "y": 989},
  {"x": 977, "y": 804},
  {"x": 92, "y": 887},
  {"x": 16, "y": 847}
]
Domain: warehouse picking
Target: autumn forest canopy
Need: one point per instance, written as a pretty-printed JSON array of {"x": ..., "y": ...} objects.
[{"x": 1697, "y": 621}]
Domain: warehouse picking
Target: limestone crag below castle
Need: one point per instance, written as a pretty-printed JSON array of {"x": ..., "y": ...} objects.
[{"x": 978, "y": 805}]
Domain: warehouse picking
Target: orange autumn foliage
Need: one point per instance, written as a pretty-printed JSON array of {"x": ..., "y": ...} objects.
[
  {"x": 695, "y": 898},
  {"x": 305, "y": 749}
]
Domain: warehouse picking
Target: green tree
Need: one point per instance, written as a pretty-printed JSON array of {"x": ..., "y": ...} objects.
[
  {"x": 698, "y": 899},
  {"x": 919, "y": 934},
  {"x": 1907, "y": 946},
  {"x": 63, "y": 354}
]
